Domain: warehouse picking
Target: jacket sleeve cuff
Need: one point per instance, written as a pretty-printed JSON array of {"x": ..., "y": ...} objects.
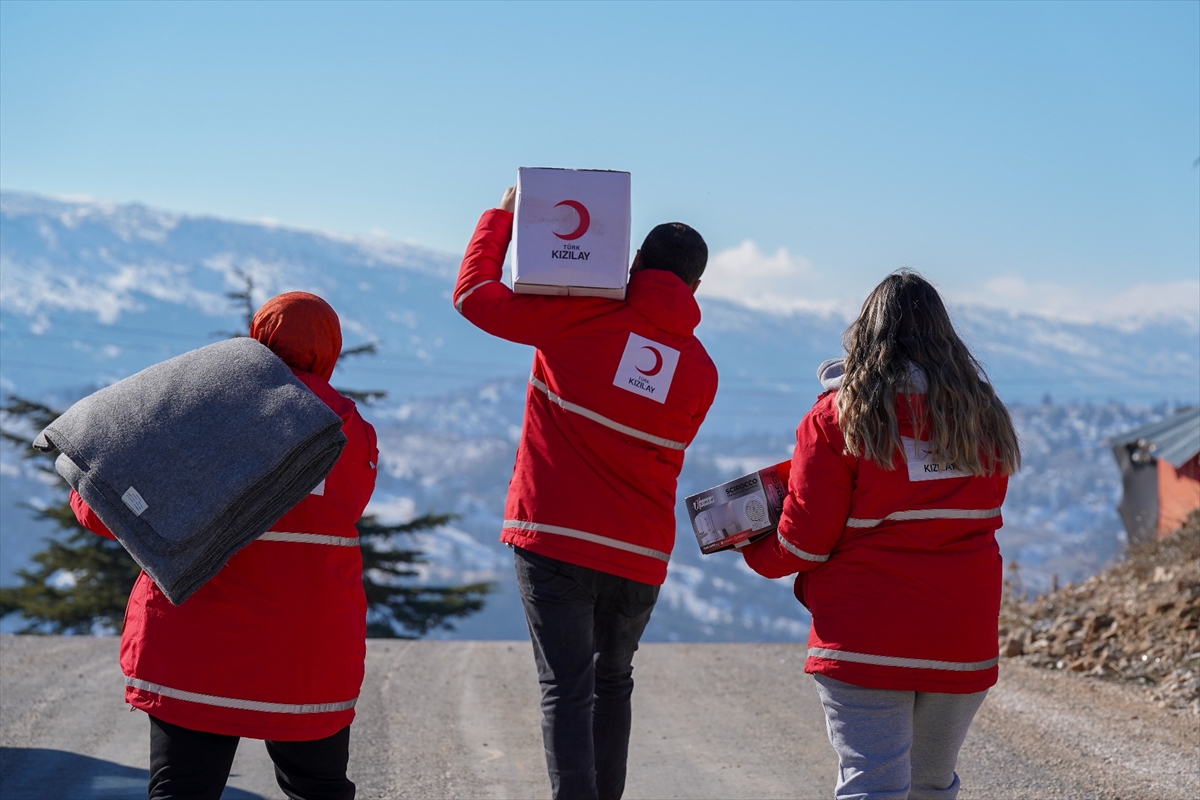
[{"x": 764, "y": 558}]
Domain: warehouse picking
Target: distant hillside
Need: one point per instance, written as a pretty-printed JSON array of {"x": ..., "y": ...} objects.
[{"x": 91, "y": 292}]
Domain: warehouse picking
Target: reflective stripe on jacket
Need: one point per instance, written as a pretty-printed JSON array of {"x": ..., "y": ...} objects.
[
  {"x": 899, "y": 568},
  {"x": 273, "y": 646},
  {"x": 618, "y": 390}
]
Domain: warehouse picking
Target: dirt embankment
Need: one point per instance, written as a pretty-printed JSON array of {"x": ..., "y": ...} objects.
[{"x": 1135, "y": 623}]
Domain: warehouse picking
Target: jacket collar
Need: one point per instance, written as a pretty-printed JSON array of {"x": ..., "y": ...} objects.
[{"x": 664, "y": 299}]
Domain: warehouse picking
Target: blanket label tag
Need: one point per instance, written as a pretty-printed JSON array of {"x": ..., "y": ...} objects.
[
  {"x": 135, "y": 502},
  {"x": 319, "y": 489}
]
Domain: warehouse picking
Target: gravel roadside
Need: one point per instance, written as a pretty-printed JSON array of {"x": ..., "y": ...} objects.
[{"x": 1050, "y": 734}]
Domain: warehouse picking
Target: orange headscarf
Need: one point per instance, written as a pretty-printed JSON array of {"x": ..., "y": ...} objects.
[{"x": 302, "y": 329}]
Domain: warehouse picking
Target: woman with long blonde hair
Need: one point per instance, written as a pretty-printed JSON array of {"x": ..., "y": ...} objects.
[{"x": 894, "y": 497}]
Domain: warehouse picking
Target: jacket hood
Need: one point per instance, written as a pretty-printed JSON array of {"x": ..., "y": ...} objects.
[
  {"x": 832, "y": 371},
  {"x": 663, "y": 298},
  {"x": 302, "y": 329}
]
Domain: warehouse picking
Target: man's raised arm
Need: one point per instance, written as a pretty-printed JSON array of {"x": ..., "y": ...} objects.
[{"x": 481, "y": 296}]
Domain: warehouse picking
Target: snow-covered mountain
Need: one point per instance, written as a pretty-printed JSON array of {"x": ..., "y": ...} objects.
[{"x": 91, "y": 292}]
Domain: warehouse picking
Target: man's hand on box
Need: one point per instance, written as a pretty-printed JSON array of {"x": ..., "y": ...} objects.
[{"x": 509, "y": 201}]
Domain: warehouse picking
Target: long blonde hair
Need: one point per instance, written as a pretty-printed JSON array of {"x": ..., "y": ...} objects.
[{"x": 904, "y": 325}]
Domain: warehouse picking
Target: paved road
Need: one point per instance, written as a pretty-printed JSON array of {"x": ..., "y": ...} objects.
[{"x": 460, "y": 720}]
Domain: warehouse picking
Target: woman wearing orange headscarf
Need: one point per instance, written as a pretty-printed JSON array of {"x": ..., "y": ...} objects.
[{"x": 273, "y": 646}]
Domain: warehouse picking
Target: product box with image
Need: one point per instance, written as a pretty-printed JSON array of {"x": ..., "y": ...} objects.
[
  {"x": 740, "y": 511},
  {"x": 571, "y": 232}
]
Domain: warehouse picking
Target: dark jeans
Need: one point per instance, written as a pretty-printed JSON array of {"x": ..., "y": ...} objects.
[
  {"x": 195, "y": 765},
  {"x": 585, "y": 627}
]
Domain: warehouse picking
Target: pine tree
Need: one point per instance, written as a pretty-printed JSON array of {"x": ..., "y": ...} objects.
[
  {"x": 80, "y": 582},
  {"x": 396, "y": 606}
]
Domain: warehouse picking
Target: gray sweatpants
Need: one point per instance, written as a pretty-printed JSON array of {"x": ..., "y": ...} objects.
[{"x": 895, "y": 745}]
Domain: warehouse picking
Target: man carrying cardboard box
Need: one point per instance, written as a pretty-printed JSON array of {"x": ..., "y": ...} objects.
[{"x": 618, "y": 390}]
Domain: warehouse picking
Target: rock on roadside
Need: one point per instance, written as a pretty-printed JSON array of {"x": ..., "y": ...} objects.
[{"x": 1135, "y": 623}]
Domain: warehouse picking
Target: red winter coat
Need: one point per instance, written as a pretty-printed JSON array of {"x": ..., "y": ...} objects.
[
  {"x": 272, "y": 647},
  {"x": 900, "y": 569},
  {"x": 618, "y": 390}
]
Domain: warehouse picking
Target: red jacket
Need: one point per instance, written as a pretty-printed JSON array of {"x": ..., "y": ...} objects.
[
  {"x": 272, "y": 647},
  {"x": 900, "y": 569},
  {"x": 618, "y": 390}
]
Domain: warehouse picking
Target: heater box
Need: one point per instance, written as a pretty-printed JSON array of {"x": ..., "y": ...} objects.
[
  {"x": 739, "y": 511},
  {"x": 571, "y": 232}
]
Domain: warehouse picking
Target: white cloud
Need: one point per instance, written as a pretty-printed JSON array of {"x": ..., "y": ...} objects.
[
  {"x": 1129, "y": 307},
  {"x": 784, "y": 282},
  {"x": 776, "y": 282}
]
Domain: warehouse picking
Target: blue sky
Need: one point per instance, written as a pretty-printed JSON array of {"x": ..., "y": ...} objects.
[{"x": 1034, "y": 156}]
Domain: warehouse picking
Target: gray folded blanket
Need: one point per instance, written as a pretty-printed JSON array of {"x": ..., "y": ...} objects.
[{"x": 192, "y": 459}]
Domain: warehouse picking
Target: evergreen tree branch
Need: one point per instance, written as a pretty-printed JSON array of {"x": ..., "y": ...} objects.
[
  {"x": 368, "y": 349},
  {"x": 78, "y": 583},
  {"x": 398, "y": 608}
]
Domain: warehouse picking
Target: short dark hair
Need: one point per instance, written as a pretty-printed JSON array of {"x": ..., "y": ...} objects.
[{"x": 676, "y": 248}]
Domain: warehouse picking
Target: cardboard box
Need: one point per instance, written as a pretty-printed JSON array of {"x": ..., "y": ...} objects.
[
  {"x": 571, "y": 232},
  {"x": 739, "y": 511}
]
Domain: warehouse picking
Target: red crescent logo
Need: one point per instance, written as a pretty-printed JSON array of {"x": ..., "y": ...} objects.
[
  {"x": 585, "y": 220},
  {"x": 658, "y": 363}
]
